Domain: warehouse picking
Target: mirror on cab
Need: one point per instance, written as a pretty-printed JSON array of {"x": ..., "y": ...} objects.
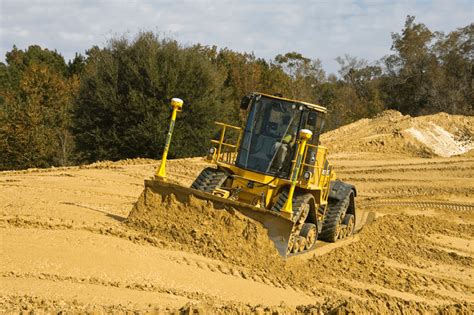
[{"x": 245, "y": 102}]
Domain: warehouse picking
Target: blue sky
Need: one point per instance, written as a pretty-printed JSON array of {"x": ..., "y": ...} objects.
[{"x": 318, "y": 29}]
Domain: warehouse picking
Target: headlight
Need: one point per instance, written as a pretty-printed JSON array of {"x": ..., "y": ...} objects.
[
  {"x": 212, "y": 150},
  {"x": 307, "y": 175}
]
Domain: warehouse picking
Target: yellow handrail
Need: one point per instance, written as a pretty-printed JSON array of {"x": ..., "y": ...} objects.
[{"x": 221, "y": 144}]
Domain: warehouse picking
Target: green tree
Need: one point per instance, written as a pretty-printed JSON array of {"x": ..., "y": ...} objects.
[
  {"x": 363, "y": 81},
  {"x": 123, "y": 106},
  {"x": 305, "y": 75},
  {"x": 76, "y": 65},
  {"x": 35, "y": 110},
  {"x": 408, "y": 82},
  {"x": 453, "y": 90},
  {"x": 429, "y": 72}
]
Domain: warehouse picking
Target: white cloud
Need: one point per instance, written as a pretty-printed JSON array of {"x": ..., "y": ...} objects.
[{"x": 318, "y": 29}]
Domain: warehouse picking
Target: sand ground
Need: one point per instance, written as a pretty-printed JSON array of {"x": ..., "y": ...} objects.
[{"x": 66, "y": 245}]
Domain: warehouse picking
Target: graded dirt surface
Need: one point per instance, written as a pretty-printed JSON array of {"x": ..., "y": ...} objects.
[{"x": 89, "y": 239}]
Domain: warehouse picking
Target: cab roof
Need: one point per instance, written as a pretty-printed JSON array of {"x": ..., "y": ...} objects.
[{"x": 315, "y": 107}]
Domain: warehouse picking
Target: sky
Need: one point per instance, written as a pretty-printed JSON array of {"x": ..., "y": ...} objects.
[{"x": 322, "y": 29}]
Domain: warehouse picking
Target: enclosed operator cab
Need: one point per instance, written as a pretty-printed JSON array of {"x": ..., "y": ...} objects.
[{"x": 269, "y": 139}]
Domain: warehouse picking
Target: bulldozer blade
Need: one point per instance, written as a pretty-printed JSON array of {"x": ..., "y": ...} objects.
[
  {"x": 363, "y": 218},
  {"x": 278, "y": 227}
]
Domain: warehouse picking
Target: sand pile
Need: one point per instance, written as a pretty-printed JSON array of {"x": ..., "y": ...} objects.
[
  {"x": 391, "y": 132},
  {"x": 412, "y": 245},
  {"x": 390, "y": 262},
  {"x": 225, "y": 235}
]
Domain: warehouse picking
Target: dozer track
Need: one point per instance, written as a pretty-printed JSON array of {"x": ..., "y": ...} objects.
[
  {"x": 209, "y": 179},
  {"x": 303, "y": 235},
  {"x": 338, "y": 223}
]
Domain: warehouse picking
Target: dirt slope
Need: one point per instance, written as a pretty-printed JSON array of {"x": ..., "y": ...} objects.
[
  {"x": 391, "y": 132},
  {"x": 70, "y": 241}
]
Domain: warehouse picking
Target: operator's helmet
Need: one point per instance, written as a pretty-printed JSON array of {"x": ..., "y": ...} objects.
[{"x": 292, "y": 133}]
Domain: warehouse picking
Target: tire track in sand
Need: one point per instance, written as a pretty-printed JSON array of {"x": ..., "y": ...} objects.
[{"x": 423, "y": 204}]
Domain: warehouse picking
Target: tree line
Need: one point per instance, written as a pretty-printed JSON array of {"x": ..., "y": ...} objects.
[{"x": 113, "y": 102}]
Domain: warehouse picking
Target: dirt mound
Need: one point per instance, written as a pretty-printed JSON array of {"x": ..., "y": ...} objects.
[
  {"x": 373, "y": 268},
  {"x": 412, "y": 246},
  {"x": 225, "y": 235},
  {"x": 391, "y": 132}
]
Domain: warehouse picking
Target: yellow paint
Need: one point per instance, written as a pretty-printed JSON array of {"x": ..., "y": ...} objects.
[
  {"x": 177, "y": 105},
  {"x": 268, "y": 184},
  {"x": 225, "y": 152},
  {"x": 305, "y": 135},
  {"x": 318, "y": 185},
  {"x": 316, "y": 107}
]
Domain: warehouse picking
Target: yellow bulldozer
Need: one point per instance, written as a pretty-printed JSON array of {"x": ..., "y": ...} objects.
[{"x": 275, "y": 171}]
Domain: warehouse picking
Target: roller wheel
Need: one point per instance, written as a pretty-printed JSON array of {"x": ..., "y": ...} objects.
[
  {"x": 299, "y": 245},
  {"x": 310, "y": 234},
  {"x": 342, "y": 232},
  {"x": 349, "y": 222}
]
